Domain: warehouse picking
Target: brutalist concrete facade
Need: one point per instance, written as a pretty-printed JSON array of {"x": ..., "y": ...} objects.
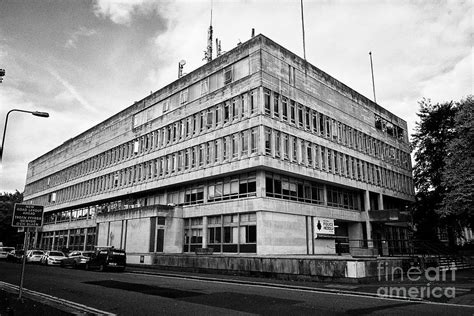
[{"x": 249, "y": 153}]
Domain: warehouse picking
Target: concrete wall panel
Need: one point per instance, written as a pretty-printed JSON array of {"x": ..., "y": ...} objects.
[
  {"x": 279, "y": 233},
  {"x": 115, "y": 234},
  {"x": 138, "y": 235}
]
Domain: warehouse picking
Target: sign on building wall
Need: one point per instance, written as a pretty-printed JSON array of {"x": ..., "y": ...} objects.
[
  {"x": 324, "y": 226},
  {"x": 27, "y": 215}
]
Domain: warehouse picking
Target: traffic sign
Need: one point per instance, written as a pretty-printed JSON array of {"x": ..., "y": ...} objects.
[{"x": 27, "y": 215}]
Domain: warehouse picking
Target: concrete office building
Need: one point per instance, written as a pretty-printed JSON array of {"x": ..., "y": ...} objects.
[{"x": 256, "y": 152}]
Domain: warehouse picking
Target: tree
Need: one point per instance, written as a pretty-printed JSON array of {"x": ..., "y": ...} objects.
[
  {"x": 458, "y": 173},
  {"x": 432, "y": 134},
  {"x": 8, "y": 234}
]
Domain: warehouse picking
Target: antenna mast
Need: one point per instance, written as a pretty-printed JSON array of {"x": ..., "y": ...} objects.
[
  {"x": 372, "y": 70},
  {"x": 208, "y": 52},
  {"x": 302, "y": 25}
]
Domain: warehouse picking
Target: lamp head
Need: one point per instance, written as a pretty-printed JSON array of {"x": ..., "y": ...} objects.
[{"x": 40, "y": 114}]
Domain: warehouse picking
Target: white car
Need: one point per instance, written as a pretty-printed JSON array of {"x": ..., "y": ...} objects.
[
  {"x": 34, "y": 256},
  {"x": 4, "y": 251},
  {"x": 53, "y": 257}
]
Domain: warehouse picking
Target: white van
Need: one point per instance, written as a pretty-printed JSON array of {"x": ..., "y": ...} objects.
[{"x": 4, "y": 251}]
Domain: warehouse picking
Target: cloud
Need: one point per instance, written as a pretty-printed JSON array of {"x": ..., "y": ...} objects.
[
  {"x": 420, "y": 49},
  {"x": 445, "y": 85},
  {"x": 121, "y": 11},
  {"x": 82, "y": 31}
]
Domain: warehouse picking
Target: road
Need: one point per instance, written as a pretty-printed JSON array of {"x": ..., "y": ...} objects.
[{"x": 139, "y": 294}]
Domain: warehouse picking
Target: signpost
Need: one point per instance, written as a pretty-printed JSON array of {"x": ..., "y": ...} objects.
[{"x": 26, "y": 216}]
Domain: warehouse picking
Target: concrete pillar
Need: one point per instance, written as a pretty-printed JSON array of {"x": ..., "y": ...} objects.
[
  {"x": 174, "y": 232},
  {"x": 85, "y": 239},
  {"x": 333, "y": 161},
  {"x": 299, "y": 153},
  {"x": 205, "y": 194},
  {"x": 380, "y": 201},
  {"x": 319, "y": 158},
  {"x": 349, "y": 171},
  {"x": 261, "y": 184},
  {"x": 366, "y": 172},
  {"x": 260, "y": 141},
  {"x": 68, "y": 238},
  {"x": 309, "y": 236},
  {"x": 204, "y": 232},
  {"x": 273, "y": 143},
  {"x": 368, "y": 225},
  {"x": 53, "y": 241}
]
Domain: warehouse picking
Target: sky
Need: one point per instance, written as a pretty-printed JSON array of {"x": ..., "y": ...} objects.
[{"x": 84, "y": 61}]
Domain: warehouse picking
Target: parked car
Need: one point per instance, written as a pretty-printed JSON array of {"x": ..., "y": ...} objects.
[
  {"x": 34, "y": 256},
  {"x": 15, "y": 256},
  {"x": 4, "y": 251},
  {"x": 52, "y": 257},
  {"x": 77, "y": 259},
  {"x": 107, "y": 259}
]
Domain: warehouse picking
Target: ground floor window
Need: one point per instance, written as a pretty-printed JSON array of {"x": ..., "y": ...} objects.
[
  {"x": 68, "y": 239},
  {"x": 76, "y": 239},
  {"x": 230, "y": 233}
]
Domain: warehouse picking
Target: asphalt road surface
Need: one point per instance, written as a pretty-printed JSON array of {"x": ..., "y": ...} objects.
[{"x": 138, "y": 294}]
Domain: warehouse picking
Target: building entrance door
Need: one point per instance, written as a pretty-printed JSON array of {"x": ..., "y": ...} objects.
[{"x": 160, "y": 238}]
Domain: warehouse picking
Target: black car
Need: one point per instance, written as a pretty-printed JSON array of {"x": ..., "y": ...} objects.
[
  {"x": 107, "y": 259},
  {"x": 15, "y": 256}
]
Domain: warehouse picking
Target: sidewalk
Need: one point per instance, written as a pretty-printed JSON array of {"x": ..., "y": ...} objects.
[
  {"x": 37, "y": 303},
  {"x": 454, "y": 288},
  {"x": 11, "y": 305}
]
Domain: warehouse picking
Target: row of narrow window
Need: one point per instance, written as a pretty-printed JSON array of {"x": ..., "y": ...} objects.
[
  {"x": 78, "y": 214},
  {"x": 236, "y": 146},
  {"x": 231, "y": 110},
  {"x": 289, "y": 188},
  {"x": 72, "y": 239},
  {"x": 214, "y": 117},
  {"x": 282, "y": 108},
  {"x": 226, "y": 188},
  {"x": 211, "y": 83},
  {"x": 290, "y": 148},
  {"x": 222, "y": 150}
]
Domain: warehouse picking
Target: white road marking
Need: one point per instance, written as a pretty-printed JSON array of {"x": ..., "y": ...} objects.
[{"x": 57, "y": 300}]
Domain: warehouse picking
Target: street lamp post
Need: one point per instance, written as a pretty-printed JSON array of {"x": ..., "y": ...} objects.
[{"x": 35, "y": 113}]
